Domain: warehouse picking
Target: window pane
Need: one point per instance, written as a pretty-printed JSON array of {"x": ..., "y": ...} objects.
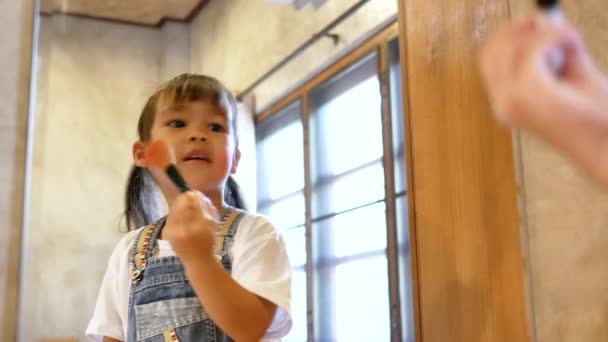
[
  {"x": 298, "y": 332},
  {"x": 351, "y": 277},
  {"x": 287, "y": 213},
  {"x": 397, "y": 117},
  {"x": 295, "y": 242},
  {"x": 358, "y": 188},
  {"x": 347, "y": 130},
  {"x": 359, "y": 309},
  {"x": 405, "y": 278},
  {"x": 359, "y": 231},
  {"x": 346, "y": 134},
  {"x": 280, "y": 155},
  {"x": 280, "y": 160},
  {"x": 365, "y": 283}
]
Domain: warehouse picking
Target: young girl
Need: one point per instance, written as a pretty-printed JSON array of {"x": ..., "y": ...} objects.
[{"x": 190, "y": 277}]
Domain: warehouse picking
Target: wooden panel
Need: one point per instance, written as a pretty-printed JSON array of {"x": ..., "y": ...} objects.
[
  {"x": 469, "y": 258},
  {"x": 305, "y": 116},
  {"x": 389, "y": 189}
]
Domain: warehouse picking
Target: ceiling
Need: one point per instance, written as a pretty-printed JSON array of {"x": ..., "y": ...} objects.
[{"x": 139, "y": 12}]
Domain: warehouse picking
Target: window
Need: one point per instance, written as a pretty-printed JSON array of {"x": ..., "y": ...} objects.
[
  {"x": 280, "y": 152},
  {"x": 281, "y": 187},
  {"x": 348, "y": 215},
  {"x": 325, "y": 151}
]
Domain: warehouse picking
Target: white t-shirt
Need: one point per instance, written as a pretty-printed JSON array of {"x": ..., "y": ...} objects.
[{"x": 259, "y": 264}]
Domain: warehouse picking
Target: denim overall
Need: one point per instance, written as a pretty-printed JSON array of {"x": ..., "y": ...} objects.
[{"x": 162, "y": 305}]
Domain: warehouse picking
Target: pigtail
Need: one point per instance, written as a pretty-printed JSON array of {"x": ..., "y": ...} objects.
[
  {"x": 232, "y": 194},
  {"x": 140, "y": 203}
]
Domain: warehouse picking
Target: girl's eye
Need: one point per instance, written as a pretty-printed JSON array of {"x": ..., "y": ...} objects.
[
  {"x": 216, "y": 127},
  {"x": 176, "y": 124}
]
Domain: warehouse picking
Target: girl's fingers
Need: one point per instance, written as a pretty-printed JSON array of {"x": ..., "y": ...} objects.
[
  {"x": 208, "y": 209},
  {"x": 500, "y": 52},
  {"x": 540, "y": 49}
]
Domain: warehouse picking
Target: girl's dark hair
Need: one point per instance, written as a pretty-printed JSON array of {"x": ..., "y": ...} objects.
[{"x": 141, "y": 206}]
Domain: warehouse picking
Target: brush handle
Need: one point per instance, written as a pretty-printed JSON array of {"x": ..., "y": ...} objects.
[
  {"x": 177, "y": 179},
  {"x": 547, "y": 4},
  {"x": 552, "y": 15}
]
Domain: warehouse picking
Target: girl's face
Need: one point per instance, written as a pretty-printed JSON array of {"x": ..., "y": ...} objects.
[{"x": 201, "y": 134}]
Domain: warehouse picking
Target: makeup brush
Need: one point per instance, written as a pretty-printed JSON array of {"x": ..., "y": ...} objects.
[
  {"x": 160, "y": 155},
  {"x": 552, "y": 15},
  {"x": 550, "y": 8}
]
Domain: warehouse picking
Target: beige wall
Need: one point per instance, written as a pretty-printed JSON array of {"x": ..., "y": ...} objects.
[
  {"x": 239, "y": 40},
  {"x": 174, "y": 54},
  {"x": 16, "y": 37},
  {"x": 567, "y": 218},
  {"x": 93, "y": 79}
]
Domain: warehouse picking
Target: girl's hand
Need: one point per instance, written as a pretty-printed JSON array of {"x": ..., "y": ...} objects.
[
  {"x": 566, "y": 108},
  {"x": 523, "y": 88},
  {"x": 191, "y": 227}
]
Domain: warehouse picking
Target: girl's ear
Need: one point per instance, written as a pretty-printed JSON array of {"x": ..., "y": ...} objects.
[
  {"x": 235, "y": 160},
  {"x": 138, "y": 154}
]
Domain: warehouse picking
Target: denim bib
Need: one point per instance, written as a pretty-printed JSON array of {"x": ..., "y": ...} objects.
[{"x": 162, "y": 305}]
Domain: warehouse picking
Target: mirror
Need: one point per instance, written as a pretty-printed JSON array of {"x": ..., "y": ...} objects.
[{"x": 96, "y": 63}]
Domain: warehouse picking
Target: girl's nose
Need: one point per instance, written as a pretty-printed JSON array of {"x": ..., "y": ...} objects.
[
  {"x": 198, "y": 132},
  {"x": 199, "y": 137}
]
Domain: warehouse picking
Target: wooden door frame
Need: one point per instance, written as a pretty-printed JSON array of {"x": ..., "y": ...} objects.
[{"x": 462, "y": 185}]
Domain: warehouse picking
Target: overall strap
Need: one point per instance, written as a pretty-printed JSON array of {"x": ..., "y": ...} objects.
[
  {"x": 230, "y": 216},
  {"x": 170, "y": 336},
  {"x": 142, "y": 249},
  {"x": 227, "y": 233}
]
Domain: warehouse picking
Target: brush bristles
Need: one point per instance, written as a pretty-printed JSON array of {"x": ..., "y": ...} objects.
[
  {"x": 159, "y": 154},
  {"x": 547, "y": 4}
]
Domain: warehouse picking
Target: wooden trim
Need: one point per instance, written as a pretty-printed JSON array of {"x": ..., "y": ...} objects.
[
  {"x": 99, "y": 19},
  {"x": 389, "y": 190},
  {"x": 26, "y": 23},
  {"x": 367, "y": 47},
  {"x": 193, "y": 13},
  {"x": 196, "y": 10},
  {"x": 409, "y": 169},
  {"x": 468, "y": 246},
  {"x": 305, "y": 115}
]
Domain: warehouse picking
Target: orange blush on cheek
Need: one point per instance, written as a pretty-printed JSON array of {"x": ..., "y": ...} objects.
[{"x": 161, "y": 156}]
